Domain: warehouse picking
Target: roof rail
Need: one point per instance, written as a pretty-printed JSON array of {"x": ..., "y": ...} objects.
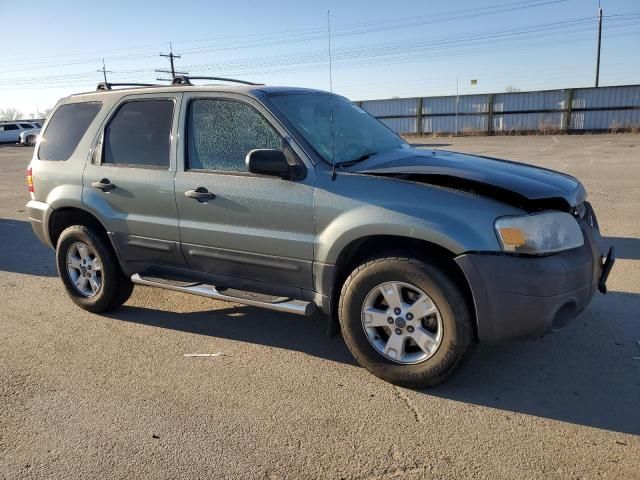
[
  {"x": 103, "y": 86},
  {"x": 186, "y": 80}
]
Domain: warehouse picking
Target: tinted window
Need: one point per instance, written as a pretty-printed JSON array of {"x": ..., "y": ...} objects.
[
  {"x": 65, "y": 130},
  {"x": 11, "y": 126},
  {"x": 140, "y": 134},
  {"x": 222, "y": 132},
  {"x": 26, "y": 125}
]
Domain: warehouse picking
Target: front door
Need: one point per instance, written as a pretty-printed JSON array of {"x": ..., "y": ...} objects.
[
  {"x": 129, "y": 181},
  {"x": 252, "y": 227}
]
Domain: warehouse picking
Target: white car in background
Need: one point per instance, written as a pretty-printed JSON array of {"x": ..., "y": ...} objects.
[
  {"x": 29, "y": 137},
  {"x": 25, "y": 133}
]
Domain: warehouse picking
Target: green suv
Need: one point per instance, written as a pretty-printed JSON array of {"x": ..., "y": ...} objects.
[{"x": 297, "y": 200}]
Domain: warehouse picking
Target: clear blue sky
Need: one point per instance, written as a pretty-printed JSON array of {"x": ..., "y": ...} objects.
[{"x": 382, "y": 48}]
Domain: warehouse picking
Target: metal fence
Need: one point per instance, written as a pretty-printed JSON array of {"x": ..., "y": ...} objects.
[{"x": 550, "y": 111}]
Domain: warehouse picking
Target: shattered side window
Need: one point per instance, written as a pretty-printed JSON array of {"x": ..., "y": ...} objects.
[{"x": 222, "y": 132}]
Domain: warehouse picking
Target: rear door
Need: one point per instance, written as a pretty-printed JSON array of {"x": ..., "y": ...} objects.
[
  {"x": 129, "y": 180},
  {"x": 255, "y": 227}
]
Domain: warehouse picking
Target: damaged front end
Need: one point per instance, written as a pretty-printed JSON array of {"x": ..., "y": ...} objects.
[{"x": 521, "y": 291}]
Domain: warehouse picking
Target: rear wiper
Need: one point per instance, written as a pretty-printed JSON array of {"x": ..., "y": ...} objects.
[{"x": 357, "y": 160}]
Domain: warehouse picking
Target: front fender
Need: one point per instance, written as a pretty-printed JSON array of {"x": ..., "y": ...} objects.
[
  {"x": 366, "y": 221},
  {"x": 359, "y": 206}
]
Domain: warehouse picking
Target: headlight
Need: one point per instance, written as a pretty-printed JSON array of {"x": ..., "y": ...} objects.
[{"x": 539, "y": 233}]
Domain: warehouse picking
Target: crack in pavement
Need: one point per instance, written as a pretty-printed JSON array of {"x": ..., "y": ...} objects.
[{"x": 405, "y": 398}]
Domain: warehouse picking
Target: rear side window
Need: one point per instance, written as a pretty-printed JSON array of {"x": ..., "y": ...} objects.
[
  {"x": 65, "y": 130},
  {"x": 26, "y": 125},
  {"x": 139, "y": 134},
  {"x": 222, "y": 132}
]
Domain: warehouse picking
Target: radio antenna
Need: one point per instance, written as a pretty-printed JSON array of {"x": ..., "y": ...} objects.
[{"x": 333, "y": 139}]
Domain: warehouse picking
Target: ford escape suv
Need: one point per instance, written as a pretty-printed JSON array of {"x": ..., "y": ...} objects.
[{"x": 296, "y": 200}]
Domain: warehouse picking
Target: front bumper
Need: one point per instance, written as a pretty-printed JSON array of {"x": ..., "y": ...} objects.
[{"x": 523, "y": 296}]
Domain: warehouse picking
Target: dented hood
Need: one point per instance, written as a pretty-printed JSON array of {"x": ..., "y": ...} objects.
[{"x": 498, "y": 178}]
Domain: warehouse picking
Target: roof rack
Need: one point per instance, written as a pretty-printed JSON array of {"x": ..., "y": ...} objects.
[
  {"x": 103, "y": 86},
  {"x": 186, "y": 80}
]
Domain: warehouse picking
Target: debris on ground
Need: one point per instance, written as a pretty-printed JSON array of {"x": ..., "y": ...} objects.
[{"x": 202, "y": 354}]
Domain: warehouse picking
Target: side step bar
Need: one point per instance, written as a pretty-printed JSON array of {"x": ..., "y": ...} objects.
[{"x": 280, "y": 304}]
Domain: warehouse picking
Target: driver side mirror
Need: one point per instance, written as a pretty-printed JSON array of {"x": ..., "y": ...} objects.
[{"x": 273, "y": 163}]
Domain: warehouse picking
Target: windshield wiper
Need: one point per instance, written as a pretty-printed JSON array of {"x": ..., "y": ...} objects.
[{"x": 357, "y": 160}]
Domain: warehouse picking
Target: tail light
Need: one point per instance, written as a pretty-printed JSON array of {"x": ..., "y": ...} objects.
[{"x": 30, "y": 181}]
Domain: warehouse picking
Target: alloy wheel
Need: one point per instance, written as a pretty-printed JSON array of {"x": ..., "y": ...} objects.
[
  {"x": 402, "y": 322},
  {"x": 84, "y": 269}
]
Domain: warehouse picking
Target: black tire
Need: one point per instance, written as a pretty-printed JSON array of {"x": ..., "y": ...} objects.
[
  {"x": 115, "y": 288},
  {"x": 458, "y": 336},
  {"x": 31, "y": 140},
  {"x": 126, "y": 289}
]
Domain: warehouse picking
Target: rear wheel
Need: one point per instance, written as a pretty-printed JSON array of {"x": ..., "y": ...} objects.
[
  {"x": 31, "y": 140},
  {"x": 90, "y": 271},
  {"x": 405, "y": 320}
]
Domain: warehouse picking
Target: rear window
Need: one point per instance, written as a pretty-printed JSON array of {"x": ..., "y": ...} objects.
[
  {"x": 65, "y": 130},
  {"x": 139, "y": 134}
]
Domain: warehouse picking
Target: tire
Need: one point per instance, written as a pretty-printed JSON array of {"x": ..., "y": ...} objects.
[
  {"x": 102, "y": 266},
  {"x": 449, "y": 329},
  {"x": 30, "y": 140}
]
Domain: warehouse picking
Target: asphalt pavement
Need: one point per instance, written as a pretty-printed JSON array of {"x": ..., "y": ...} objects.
[{"x": 113, "y": 396}]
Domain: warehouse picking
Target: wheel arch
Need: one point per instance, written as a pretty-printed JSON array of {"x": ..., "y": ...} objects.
[
  {"x": 364, "y": 248},
  {"x": 64, "y": 217}
]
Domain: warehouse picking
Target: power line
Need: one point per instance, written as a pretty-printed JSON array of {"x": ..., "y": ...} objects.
[
  {"x": 384, "y": 54},
  {"x": 387, "y": 53},
  {"x": 316, "y": 34}
]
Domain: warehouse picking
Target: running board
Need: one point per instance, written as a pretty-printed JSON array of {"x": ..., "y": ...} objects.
[{"x": 280, "y": 304}]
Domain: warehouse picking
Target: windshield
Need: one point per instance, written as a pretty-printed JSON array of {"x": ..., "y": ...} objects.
[{"x": 356, "y": 133}]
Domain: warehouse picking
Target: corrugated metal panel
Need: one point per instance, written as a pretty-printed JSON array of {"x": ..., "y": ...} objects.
[
  {"x": 603, "y": 97},
  {"x": 400, "y": 125},
  {"x": 605, "y": 120},
  {"x": 510, "y": 102},
  {"x": 438, "y": 105},
  {"x": 447, "y": 124},
  {"x": 516, "y": 122},
  {"x": 503, "y": 121},
  {"x": 383, "y": 108},
  {"x": 467, "y": 104}
]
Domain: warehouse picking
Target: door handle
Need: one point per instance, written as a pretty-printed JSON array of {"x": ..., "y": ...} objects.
[
  {"x": 201, "y": 194},
  {"x": 105, "y": 185}
]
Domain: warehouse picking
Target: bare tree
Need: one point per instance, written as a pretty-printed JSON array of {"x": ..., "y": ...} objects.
[
  {"x": 44, "y": 113},
  {"x": 511, "y": 89},
  {"x": 10, "y": 114}
]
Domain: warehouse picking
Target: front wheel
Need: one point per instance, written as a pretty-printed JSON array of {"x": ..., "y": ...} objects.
[
  {"x": 405, "y": 320},
  {"x": 90, "y": 271}
]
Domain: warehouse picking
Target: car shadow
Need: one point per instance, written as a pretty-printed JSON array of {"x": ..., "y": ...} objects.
[
  {"x": 248, "y": 324},
  {"x": 625, "y": 247},
  {"x": 585, "y": 374},
  {"x": 22, "y": 252}
]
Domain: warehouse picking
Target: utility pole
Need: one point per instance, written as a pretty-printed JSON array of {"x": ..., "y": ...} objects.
[
  {"x": 171, "y": 56},
  {"x": 104, "y": 71},
  {"x": 599, "y": 44},
  {"x": 457, "y": 102}
]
